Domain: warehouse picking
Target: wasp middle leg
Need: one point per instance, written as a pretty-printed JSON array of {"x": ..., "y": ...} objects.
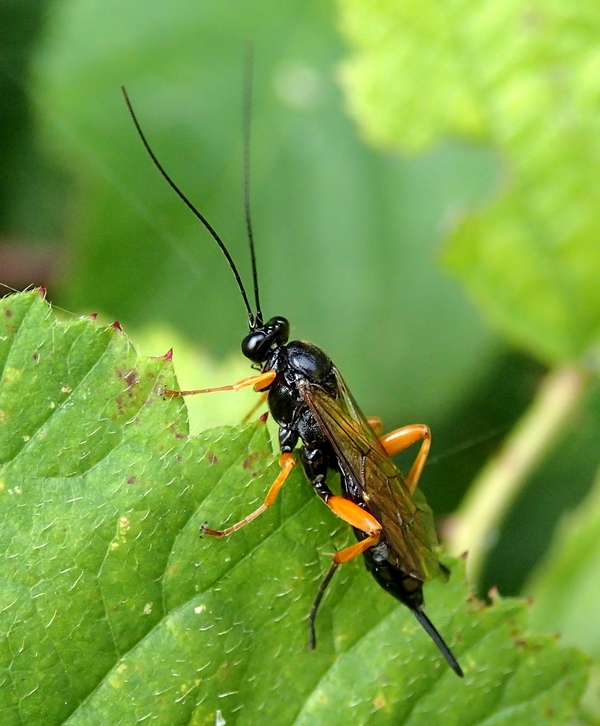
[{"x": 287, "y": 463}]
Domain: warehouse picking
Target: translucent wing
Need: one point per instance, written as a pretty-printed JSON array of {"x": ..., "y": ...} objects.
[{"x": 373, "y": 478}]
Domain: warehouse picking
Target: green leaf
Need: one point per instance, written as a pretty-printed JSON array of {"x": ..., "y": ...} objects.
[
  {"x": 113, "y": 610},
  {"x": 525, "y": 80},
  {"x": 565, "y": 588},
  {"x": 196, "y": 369},
  {"x": 345, "y": 235}
]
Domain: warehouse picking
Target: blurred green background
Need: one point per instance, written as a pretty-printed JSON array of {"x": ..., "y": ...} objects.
[{"x": 349, "y": 237}]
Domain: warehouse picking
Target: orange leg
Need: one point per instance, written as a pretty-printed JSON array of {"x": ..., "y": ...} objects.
[
  {"x": 401, "y": 439},
  {"x": 287, "y": 463},
  {"x": 260, "y": 382},
  {"x": 360, "y": 519},
  {"x": 375, "y": 424}
]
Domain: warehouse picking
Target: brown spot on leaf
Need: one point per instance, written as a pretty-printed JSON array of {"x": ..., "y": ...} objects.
[
  {"x": 132, "y": 378},
  {"x": 379, "y": 702},
  {"x": 476, "y": 602},
  {"x": 8, "y": 312},
  {"x": 249, "y": 460},
  {"x": 131, "y": 480}
]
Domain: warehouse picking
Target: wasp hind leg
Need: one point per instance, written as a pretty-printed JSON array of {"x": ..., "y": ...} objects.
[
  {"x": 359, "y": 519},
  {"x": 315, "y": 467},
  {"x": 376, "y": 424},
  {"x": 312, "y": 641},
  {"x": 400, "y": 439}
]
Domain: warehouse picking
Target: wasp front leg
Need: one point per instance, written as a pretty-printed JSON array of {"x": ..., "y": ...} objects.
[{"x": 260, "y": 383}]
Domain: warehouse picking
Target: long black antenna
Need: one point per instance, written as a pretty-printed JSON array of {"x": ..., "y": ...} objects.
[
  {"x": 251, "y": 317},
  {"x": 249, "y": 69}
]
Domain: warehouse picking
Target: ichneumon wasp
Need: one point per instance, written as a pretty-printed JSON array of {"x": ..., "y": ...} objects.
[{"x": 313, "y": 407}]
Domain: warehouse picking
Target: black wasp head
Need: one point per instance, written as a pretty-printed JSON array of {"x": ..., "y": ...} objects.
[{"x": 259, "y": 342}]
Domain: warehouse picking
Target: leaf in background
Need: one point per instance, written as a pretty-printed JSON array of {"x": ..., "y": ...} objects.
[
  {"x": 565, "y": 588},
  {"x": 114, "y": 610},
  {"x": 525, "y": 80},
  {"x": 197, "y": 369},
  {"x": 346, "y": 237}
]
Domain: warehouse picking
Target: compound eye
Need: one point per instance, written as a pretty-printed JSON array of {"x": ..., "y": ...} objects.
[{"x": 252, "y": 346}]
